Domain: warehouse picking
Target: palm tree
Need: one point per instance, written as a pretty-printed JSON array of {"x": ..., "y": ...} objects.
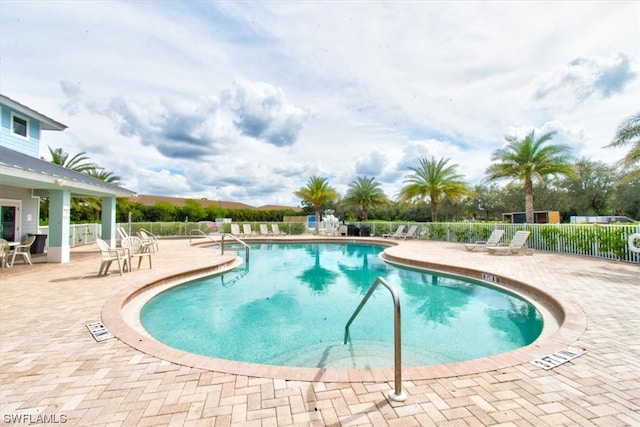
[
  {"x": 436, "y": 180},
  {"x": 365, "y": 192},
  {"x": 104, "y": 175},
  {"x": 80, "y": 163},
  {"x": 76, "y": 163},
  {"x": 628, "y": 132},
  {"x": 317, "y": 192},
  {"x": 528, "y": 159}
]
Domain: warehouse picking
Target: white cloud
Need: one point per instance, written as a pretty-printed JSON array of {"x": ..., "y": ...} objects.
[
  {"x": 262, "y": 111},
  {"x": 244, "y": 101},
  {"x": 584, "y": 77}
]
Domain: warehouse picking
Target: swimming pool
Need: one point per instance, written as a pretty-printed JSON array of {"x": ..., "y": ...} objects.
[{"x": 288, "y": 307}]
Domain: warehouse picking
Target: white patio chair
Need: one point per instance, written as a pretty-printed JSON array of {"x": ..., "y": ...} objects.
[
  {"x": 109, "y": 255},
  {"x": 4, "y": 253},
  {"x": 136, "y": 248},
  {"x": 24, "y": 250},
  {"x": 149, "y": 240}
]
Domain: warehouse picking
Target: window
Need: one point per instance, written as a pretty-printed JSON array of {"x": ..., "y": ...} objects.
[{"x": 20, "y": 126}]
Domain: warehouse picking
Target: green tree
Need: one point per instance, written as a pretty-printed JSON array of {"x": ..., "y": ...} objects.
[
  {"x": 628, "y": 133},
  {"x": 214, "y": 212},
  {"x": 365, "y": 193},
  {"x": 317, "y": 192},
  {"x": 78, "y": 163},
  {"x": 124, "y": 206},
  {"x": 435, "y": 180},
  {"x": 487, "y": 200},
  {"x": 530, "y": 159},
  {"x": 590, "y": 189},
  {"x": 162, "y": 212},
  {"x": 625, "y": 200},
  {"x": 193, "y": 211}
]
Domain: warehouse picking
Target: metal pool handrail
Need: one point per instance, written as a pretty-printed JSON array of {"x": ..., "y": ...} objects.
[
  {"x": 246, "y": 247},
  {"x": 196, "y": 231},
  {"x": 397, "y": 393}
]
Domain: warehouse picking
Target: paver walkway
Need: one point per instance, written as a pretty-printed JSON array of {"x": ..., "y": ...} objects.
[{"x": 52, "y": 370}]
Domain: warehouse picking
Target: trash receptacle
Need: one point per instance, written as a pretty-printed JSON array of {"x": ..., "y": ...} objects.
[
  {"x": 351, "y": 230},
  {"x": 38, "y": 245}
]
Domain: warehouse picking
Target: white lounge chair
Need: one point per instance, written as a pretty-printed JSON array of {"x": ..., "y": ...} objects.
[
  {"x": 235, "y": 230},
  {"x": 276, "y": 230},
  {"x": 518, "y": 245},
  {"x": 493, "y": 240},
  {"x": 398, "y": 233},
  {"x": 411, "y": 233},
  {"x": 247, "y": 231},
  {"x": 24, "y": 250},
  {"x": 135, "y": 248},
  {"x": 264, "y": 231},
  {"x": 109, "y": 255}
]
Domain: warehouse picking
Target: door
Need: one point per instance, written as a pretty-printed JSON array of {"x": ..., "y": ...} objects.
[{"x": 10, "y": 220}]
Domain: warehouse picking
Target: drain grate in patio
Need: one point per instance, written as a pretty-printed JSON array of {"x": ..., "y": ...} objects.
[
  {"x": 99, "y": 331},
  {"x": 558, "y": 358}
]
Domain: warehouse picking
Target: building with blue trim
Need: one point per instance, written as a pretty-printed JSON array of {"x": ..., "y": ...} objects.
[{"x": 25, "y": 179}]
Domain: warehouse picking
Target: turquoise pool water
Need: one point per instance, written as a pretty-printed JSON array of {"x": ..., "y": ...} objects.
[{"x": 288, "y": 306}]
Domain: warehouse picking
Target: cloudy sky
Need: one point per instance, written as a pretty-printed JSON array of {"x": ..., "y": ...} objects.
[{"x": 244, "y": 101}]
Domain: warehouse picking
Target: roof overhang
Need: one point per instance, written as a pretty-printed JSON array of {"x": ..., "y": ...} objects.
[
  {"x": 20, "y": 170},
  {"x": 46, "y": 123}
]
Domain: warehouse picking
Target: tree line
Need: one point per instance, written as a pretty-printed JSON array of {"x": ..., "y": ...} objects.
[
  {"x": 531, "y": 164},
  {"x": 433, "y": 190}
]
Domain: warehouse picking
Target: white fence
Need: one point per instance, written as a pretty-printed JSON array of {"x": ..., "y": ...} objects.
[
  {"x": 79, "y": 234},
  {"x": 599, "y": 241}
]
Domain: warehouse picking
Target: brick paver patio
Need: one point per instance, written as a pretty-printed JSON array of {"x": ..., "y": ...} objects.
[{"x": 52, "y": 370}]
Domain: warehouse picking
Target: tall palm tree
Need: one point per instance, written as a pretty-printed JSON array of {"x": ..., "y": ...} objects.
[
  {"x": 530, "y": 159},
  {"x": 628, "y": 132},
  {"x": 317, "y": 192},
  {"x": 364, "y": 193},
  {"x": 435, "y": 179},
  {"x": 77, "y": 163}
]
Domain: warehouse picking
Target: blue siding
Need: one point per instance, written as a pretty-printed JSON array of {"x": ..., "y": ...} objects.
[{"x": 28, "y": 146}]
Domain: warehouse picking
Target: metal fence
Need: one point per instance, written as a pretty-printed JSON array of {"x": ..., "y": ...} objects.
[{"x": 599, "y": 241}]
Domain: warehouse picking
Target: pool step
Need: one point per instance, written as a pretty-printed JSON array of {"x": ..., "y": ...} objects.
[{"x": 355, "y": 355}]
